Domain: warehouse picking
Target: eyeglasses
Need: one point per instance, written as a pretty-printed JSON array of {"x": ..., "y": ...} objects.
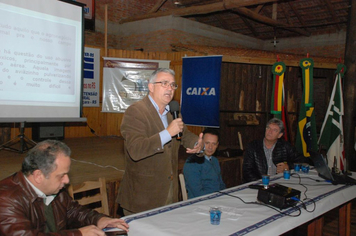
[{"x": 165, "y": 84}]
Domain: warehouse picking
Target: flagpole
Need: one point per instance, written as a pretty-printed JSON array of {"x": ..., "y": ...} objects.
[
  {"x": 350, "y": 87},
  {"x": 332, "y": 132}
]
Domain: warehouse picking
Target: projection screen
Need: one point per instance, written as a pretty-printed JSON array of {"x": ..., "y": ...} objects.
[{"x": 41, "y": 60}]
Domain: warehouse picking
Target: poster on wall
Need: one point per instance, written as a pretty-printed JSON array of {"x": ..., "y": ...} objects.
[
  {"x": 125, "y": 81},
  {"x": 88, "y": 8},
  {"x": 91, "y": 77},
  {"x": 201, "y": 91},
  {"x": 89, "y": 13}
]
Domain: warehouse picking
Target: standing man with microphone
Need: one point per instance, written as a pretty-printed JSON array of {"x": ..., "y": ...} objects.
[{"x": 152, "y": 142}]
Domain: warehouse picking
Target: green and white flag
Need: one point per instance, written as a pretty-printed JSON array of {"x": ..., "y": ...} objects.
[{"x": 332, "y": 132}]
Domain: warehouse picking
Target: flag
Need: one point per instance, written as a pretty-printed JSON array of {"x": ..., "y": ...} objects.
[
  {"x": 285, "y": 118},
  {"x": 332, "y": 132},
  {"x": 306, "y": 133},
  {"x": 200, "y": 98},
  {"x": 278, "y": 95}
]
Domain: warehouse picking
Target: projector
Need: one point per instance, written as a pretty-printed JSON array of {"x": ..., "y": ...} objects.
[{"x": 278, "y": 196}]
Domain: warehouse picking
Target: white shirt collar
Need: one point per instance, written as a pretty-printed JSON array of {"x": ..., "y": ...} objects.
[
  {"x": 156, "y": 106},
  {"x": 47, "y": 199}
]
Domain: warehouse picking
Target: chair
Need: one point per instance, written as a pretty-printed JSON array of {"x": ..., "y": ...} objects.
[
  {"x": 92, "y": 194},
  {"x": 182, "y": 187}
]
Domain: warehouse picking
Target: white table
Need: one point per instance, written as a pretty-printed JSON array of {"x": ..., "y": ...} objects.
[{"x": 187, "y": 218}]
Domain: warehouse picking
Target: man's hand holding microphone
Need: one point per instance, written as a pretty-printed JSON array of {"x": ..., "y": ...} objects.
[{"x": 175, "y": 128}]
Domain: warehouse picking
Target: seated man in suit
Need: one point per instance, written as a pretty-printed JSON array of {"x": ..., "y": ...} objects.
[
  {"x": 202, "y": 172},
  {"x": 270, "y": 155},
  {"x": 33, "y": 201}
]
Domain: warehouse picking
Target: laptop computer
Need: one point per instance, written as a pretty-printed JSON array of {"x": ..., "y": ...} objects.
[{"x": 324, "y": 171}]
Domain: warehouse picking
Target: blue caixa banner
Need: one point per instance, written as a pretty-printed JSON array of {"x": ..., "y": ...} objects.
[{"x": 201, "y": 90}]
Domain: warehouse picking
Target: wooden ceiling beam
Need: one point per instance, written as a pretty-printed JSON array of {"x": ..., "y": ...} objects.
[
  {"x": 297, "y": 14},
  {"x": 332, "y": 12},
  {"x": 235, "y": 5},
  {"x": 274, "y": 11},
  {"x": 248, "y": 24},
  {"x": 198, "y": 10},
  {"x": 246, "y": 3},
  {"x": 247, "y": 21},
  {"x": 157, "y": 6},
  {"x": 258, "y": 8},
  {"x": 268, "y": 21},
  {"x": 223, "y": 22},
  {"x": 286, "y": 14}
]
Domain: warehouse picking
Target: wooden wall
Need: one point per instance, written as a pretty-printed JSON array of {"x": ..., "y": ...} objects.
[
  {"x": 245, "y": 91},
  {"x": 107, "y": 124}
]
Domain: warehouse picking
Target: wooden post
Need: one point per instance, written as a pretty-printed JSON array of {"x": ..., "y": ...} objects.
[
  {"x": 315, "y": 227},
  {"x": 240, "y": 141},
  {"x": 5, "y": 134},
  {"x": 106, "y": 30},
  {"x": 345, "y": 219},
  {"x": 350, "y": 89}
]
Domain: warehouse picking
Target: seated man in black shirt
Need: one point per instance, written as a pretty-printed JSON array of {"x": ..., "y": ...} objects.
[{"x": 270, "y": 155}]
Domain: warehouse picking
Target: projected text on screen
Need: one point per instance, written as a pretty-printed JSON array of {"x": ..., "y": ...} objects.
[
  {"x": 41, "y": 70},
  {"x": 41, "y": 57}
]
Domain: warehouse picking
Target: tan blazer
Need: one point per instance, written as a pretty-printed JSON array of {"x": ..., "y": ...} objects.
[{"x": 150, "y": 169}]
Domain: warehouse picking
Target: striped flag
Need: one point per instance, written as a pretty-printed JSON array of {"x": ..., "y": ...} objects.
[
  {"x": 278, "y": 95},
  {"x": 306, "y": 133},
  {"x": 332, "y": 132}
]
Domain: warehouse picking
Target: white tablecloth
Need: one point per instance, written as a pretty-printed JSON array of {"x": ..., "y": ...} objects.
[{"x": 191, "y": 217}]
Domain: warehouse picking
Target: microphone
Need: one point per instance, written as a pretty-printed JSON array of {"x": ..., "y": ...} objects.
[{"x": 174, "y": 108}]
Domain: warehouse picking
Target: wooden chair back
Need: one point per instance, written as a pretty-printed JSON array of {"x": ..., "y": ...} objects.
[
  {"x": 92, "y": 194},
  {"x": 182, "y": 187}
]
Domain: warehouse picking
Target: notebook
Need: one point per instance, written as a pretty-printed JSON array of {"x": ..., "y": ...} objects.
[{"x": 324, "y": 171}]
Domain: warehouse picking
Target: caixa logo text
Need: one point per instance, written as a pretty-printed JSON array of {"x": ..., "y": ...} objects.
[{"x": 201, "y": 91}]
